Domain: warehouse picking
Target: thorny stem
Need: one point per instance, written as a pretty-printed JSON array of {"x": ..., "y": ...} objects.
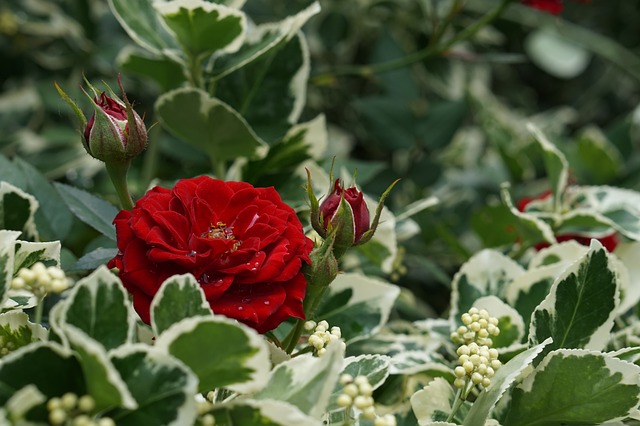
[{"x": 421, "y": 55}]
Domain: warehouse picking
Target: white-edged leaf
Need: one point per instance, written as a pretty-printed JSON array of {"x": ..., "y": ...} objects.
[
  {"x": 374, "y": 367},
  {"x": 434, "y": 402},
  {"x": 7, "y": 248},
  {"x": 575, "y": 387},
  {"x": 306, "y": 381},
  {"x": 629, "y": 253},
  {"x": 500, "y": 382},
  {"x": 358, "y": 304},
  {"x": 17, "y": 211},
  {"x": 220, "y": 351},
  {"x": 163, "y": 387},
  {"x": 17, "y": 330},
  {"x": 528, "y": 226},
  {"x": 24, "y": 400},
  {"x": 555, "y": 163},
  {"x": 27, "y": 253},
  {"x": 99, "y": 306},
  {"x": 103, "y": 381},
  {"x": 486, "y": 273},
  {"x": 510, "y": 322},
  {"x": 581, "y": 305},
  {"x": 562, "y": 254},
  {"x": 178, "y": 290},
  {"x": 264, "y": 413}
]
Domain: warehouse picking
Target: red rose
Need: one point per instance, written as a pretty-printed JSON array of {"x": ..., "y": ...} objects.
[
  {"x": 610, "y": 241},
  {"x": 551, "y": 6},
  {"x": 245, "y": 247}
]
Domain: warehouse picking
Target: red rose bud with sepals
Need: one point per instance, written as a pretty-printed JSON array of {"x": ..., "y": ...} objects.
[
  {"x": 244, "y": 245},
  {"x": 351, "y": 200},
  {"x": 115, "y": 133},
  {"x": 609, "y": 241}
]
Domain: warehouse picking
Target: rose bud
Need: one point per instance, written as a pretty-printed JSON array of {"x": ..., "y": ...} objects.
[
  {"x": 343, "y": 218},
  {"x": 355, "y": 215},
  {"x": 115, "y": 133}
]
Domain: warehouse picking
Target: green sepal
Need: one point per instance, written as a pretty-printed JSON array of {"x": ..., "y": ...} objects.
[
  {"x": 73, "y": 105},
  {"x": 314, "y": 205},
  {"x": 376, "y": 218}
]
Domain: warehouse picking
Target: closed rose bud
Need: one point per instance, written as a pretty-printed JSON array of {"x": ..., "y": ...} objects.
[
  {"x": 115, "y": 133},
  {"x": 360, "y": 219}
]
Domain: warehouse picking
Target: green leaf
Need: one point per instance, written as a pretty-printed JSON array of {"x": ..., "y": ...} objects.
[
  {"x": 161, "y": 385},
  {"x": 597, "y": 160},
  {"x": 530, "y": 228},
  {"x": 94, "y": 259},
  {"x": 580, "y": 308},
  {"x": 263, "y": 39},
  {"x": 166, "y": 72},
  {"x": 179, "y": 297},
  {"x": 16, "y": 331},
  {"x": 261, "y": 413},
  {"x": 500, "y": 382},
  {"x": 29, "y": 253},
  {"x": 53, "y": 218},
  {"x": 556, "y": 54},
  {"x": 90, "y": 209},
  {"x": 221, "y": 352},
  {"x": 555, "y": 163},
  {"x": 628, "y": 252},
  {"x": 306, "y": 381},
  {"x": 51, "y": 368},
  {"x": 99, "y": 306},
  {"x": 17, "y": 211},
  {"x": 103, "y": 381},
  {"x": 202, "y": 27},
  {"x": 271, "y": 91},
  {"x": 374, "y": 367},
  {"x": 7, "y": 248},
  {"x": 487, "y": 273},
  {"x": 143, "y": 24},
  {"x": 575, "y": 387},
  {"x": 22, "y": 402},
  {"x": 208, "y": 124},
  {"x": 358, "y": 304}
]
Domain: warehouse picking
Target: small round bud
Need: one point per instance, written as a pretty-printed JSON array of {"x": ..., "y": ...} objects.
[
  {"x": 476, "y": 378},
  {"x": 466, "y": 319},
  {"x": 351, "y": 390},
  {"x": 468, "y": 366},
  {"x": 462, "y": 330},
  {"x": 490, "y": 372},
  {"x": 463, "y": 358},
  {"x": 473, "y": 311},
  {"x": 345, "y": 379},
  {"x": 82, "y": 420},
  {"x": 309, "y": 325},
  {"x": 322, "y": 326},
  {"x": 474, "y": 359},
  {"x": 69, "y": 401},
  {"x": 344, "y": 400},
  {"x": 57, "y": 416},
  {"x": 108, "y": 421},
  {"x": 365, "y": 389},
  {"x": 321, "y": 351},
  {"x": 361, "y": 402},
  {"x": 18, "y": 283},
  {"x": 459, "y": 382},
  {"x": 86, "y": 403},
  {"x": 53, "y": 403},
  {"x": 460, "y": 371},
  {"x": 369, "y": 413},
  {"x": 475, "y": 327},
  {"x": 463, "y": 350},
  {"x": 208, "y": 420},
  {"x": 486, "y": 382}
]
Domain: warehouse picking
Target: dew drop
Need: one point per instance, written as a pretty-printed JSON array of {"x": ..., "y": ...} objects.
[
  {"x": 192, "y": 253},
  {"x": 240, "y": 308},
  {"x": 266, "y": 302},
  {"x": 205, "y": 278}
]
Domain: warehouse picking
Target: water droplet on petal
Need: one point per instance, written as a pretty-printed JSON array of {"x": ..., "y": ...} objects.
[
  {"x": 266, "y": 302},
  {"x": 192, "y": 253},
  {"x": 205, "y": 278},
  {"x": 240, "y": 308},
  {"x": 245, "y": 300}
]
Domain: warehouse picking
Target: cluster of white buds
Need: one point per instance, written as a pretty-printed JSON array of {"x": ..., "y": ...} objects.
[
  {"x": 41, "y": 280},
  {"x": 71, "y": 410},
  {"x": 6, "y": 346},
  {"x": 478, "y": 327},
  {"x": 477, "y": 361},
  {"x": 321, "y": 335},
  {"x": 357, "y": 392},
  {"x": 205, "y": 418}
]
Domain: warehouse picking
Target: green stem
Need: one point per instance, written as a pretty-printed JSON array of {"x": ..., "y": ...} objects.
[
  {"x": 219, "y": 168},
  {"x": 118, "y": 174},
  {"x": 421, "y": 55},
  {"x": 39, "y": 310},
  {"x": 292, "y": 338},
  {"x": 195, "y": 71},
  {"x": 461, "y": 395}
]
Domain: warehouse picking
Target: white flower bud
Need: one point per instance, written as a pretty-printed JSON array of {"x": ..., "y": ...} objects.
[
  {"x": 473, "y": 311},
  {"x": 57, "y": 416},
  {"x": 82, "y": 420},
  {"x": 344, "y": 400},
  {"x": 351, "y": 389},
  {"x": 316, "y": 341},
  {"x": 208, "y": 420},
  {"x": 369, "y": 413},
  {"x": 27, "y": 275},
  {"x": 468, "y": 366},
  {"x": 321, "y": 351},
  {"x": 495, "y": 364},
  {"x": 361, "y": 402},
  {"x": 366, "y": 389},
  {"x": 474, "y": 326},
  {"x": 53, "y": 403},
  {"x": 309, "y": 325},
  {"x": 490, "y": 372},
  {"x": 459, "y": 371},
  {"x": 463, "y": 350},
  {"x": 474, "y": 359},
  {"x": 466, "y": 319},
  {"x": 86, "y": 403},
  {"x": 18, "y": 283},
  {"x": 322, "y": 326},
  {"x": 459, "y": 382},
  {"x": 493, "y": 353},
  {"x": 345, "y": 379},
  {"x": 486, "y": 382},
  {"x": 463, "y": 358},
  {"x": 108, "y": 421},
  {"x": 476, "y": 378},
  {"x": 69, "y": 401}
]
